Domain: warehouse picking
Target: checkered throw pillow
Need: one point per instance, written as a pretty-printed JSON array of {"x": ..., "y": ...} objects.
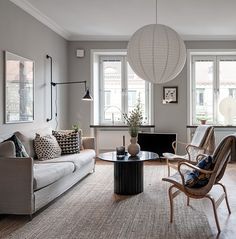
[{"x": 68, "y": 141}]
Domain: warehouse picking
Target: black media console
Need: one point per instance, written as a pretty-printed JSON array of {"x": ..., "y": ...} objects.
[{"x": 157, "y": 142}]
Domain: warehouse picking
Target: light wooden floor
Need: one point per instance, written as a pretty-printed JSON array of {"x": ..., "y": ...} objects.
[{"x": 10, "y": 223}]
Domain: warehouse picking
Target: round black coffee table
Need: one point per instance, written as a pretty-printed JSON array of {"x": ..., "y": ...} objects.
[{"x": 128, "y": 171}]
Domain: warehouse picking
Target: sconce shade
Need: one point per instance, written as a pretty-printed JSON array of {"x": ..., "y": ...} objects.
[
  {"x": 87, "y": 96},
  {"x": 156, "y": 53}
]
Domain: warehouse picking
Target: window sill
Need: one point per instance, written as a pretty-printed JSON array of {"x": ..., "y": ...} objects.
[
  {"x": 215, "y": 126},
  {"x": 119, "y": 126}
]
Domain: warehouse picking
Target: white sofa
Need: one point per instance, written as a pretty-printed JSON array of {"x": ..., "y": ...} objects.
[{"x": 26, "y": 184}]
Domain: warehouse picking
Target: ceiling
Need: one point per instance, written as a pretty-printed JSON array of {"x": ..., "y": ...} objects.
[{"x": 119, "y": 19}]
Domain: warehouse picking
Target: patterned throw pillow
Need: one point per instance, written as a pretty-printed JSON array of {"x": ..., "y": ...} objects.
[
  {"x": 46, "y": 147},
  {"x": 68, "y": 141},
  {"x": 195, "y": 179},
  {"x": 20, "y": 149}
]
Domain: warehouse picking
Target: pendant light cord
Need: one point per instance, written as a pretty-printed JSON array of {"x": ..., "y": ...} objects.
[{"x": 156, "y": 11}]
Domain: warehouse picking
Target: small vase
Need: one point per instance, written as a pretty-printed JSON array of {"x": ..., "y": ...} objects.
[{"x": 134, "y": 147}]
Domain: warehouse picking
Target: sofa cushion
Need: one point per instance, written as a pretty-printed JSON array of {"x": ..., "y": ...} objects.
[
  {"x": 84, "y": 157},
  {"x": 48, "y": 173},
  {"x": 7, "y": 149},
  {"x": 19, "y": 147},
  {"x": 68, "y": 141},
  {"x": 46, "y": 147},
  {"x": 27, "y": 138}
]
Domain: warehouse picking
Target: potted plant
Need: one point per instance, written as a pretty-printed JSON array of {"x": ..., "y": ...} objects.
[
  {"x": 134, "y": 121},
  {"x": 76, "y": 127},
  {"x": 203, "y": 119}
]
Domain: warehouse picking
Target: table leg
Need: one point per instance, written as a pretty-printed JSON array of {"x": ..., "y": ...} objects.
[{"x": 128, "y": 178}]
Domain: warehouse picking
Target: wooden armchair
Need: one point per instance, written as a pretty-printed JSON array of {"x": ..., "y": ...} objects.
[
  {"x": 221, "y": 156},
  {"x": 203, "y": 141}
]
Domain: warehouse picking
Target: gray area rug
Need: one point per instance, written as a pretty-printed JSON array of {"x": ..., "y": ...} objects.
[{"x": 90, "y": 210}]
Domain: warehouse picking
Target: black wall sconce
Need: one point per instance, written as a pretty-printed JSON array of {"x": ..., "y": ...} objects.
[{"x": 87, "y": 95}]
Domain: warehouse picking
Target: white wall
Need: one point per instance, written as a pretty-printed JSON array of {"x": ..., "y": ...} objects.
[{"x": 22, "y": 34}]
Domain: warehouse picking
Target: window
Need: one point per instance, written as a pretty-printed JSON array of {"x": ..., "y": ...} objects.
[
  {"x": 119, "y": 90},
  {"x": 213, "y": 83}
]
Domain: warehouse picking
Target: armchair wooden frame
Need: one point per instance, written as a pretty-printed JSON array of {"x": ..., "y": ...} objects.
[
  {"x": 221, "y": 157},
  {"x": 189, "y": 157}
]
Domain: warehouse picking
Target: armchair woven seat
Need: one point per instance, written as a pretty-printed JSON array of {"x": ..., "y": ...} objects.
[
  {"x": 203, "y": 141},
  {"x": 220, "y": 158}
]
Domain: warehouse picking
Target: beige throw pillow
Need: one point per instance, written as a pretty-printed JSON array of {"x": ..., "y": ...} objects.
[{"x": 7, "y": 149}]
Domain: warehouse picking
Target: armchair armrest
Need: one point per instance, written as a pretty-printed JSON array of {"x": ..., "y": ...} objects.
[
  {"x": 200, "y": 156},
  {"x": 174, "y": 144},
  {"x": 194, "y": 167},
  {"x": 88, "y": 142},
  {"x": 16, "y": 185}
]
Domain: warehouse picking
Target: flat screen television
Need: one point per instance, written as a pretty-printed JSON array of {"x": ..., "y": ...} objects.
[{"x": 157, "y": 142}]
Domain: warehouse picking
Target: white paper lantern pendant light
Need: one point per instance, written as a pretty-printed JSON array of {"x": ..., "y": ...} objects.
[{"x": 156, "y": 53}]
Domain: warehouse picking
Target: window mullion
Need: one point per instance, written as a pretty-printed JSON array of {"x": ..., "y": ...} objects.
[
  {"x": 101, "y": 90},
  {"x": 148, "y": 100},
  {"x": 193, "y": 88},
  {"x": 216, "y": 88},
  {"x": 124, "y": 85}
]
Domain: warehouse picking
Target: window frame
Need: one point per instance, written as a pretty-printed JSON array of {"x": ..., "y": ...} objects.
[
  {"x": 124, "y": 89},
  {"x": 216, "y": 56}
]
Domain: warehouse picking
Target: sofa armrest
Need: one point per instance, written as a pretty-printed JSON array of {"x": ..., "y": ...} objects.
[
  {"x": 88, "y": 142},
  {"x": 7, "y": 149},
  {"x": 16, "y": 186}
]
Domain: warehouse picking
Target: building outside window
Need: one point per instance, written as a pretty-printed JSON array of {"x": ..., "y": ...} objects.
[
  {"x": 213, "y": 79},
  {"x": 200, "y": 96}
]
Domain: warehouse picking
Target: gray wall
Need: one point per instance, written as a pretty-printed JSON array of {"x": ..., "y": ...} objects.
[
  {"x": 22, "y": 34},
  {"x": 168, "y": 118},
  {"x": 79, "y": 70}
]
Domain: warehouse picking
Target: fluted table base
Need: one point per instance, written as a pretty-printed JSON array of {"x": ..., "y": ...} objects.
[{"x": 128, "y": 178}]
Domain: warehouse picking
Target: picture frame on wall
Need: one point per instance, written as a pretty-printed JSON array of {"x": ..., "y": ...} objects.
[
  {"x": 19, "y": 89},
  {"x": 170, "y": 94}
]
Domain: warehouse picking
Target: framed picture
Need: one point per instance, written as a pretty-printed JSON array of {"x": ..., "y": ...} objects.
[
  {"x": 170, "y": 94},
  {"x": 19, "y": 89}
]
